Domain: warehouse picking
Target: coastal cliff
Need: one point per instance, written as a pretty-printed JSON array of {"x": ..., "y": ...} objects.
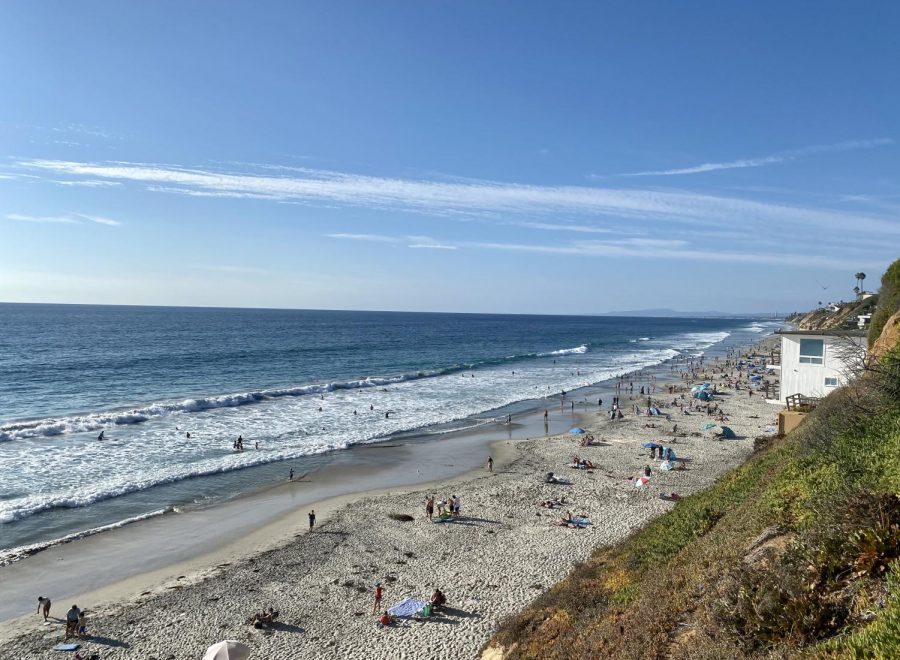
[
  {"x": 840, "y": 315},
  {"x": 796, "y": 553}
]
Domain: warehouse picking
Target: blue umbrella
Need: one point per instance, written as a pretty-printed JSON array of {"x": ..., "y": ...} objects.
[
  {"x": 651, "y": 445},
  {"x": 576, "y": 429}
]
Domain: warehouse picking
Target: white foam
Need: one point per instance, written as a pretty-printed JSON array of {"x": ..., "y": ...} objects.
[{"x": 11, "y": 555}]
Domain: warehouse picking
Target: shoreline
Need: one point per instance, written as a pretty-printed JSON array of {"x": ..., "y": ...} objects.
[{"x": 275, "y": 536}]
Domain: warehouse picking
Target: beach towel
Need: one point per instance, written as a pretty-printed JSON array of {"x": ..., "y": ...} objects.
[
  {"x": 581, "y": 522},
  {"x": 407, "y": 607},
  {"x": 66, "y": 647}
]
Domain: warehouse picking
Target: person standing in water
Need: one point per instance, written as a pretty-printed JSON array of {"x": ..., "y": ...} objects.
[
  {"x": 291, "y": 475},
  {"x": 490, "y": 464}
]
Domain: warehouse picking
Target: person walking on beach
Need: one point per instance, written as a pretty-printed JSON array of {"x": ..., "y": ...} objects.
[
  {"x": 429, "y": 506},
  {"x": 490, "y": 464},
  {"x": 291, "y": 475},
  {"x": 312, "y": 519},
  {"x": 44, "y": 603},
  {"x": 379, "y": 592}
]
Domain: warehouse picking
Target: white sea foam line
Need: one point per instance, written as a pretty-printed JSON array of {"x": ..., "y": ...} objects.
[{"x": 12, "y": 555}]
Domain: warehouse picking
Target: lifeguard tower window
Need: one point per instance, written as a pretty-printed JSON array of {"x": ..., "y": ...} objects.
[{"x": 812, "y": 351}]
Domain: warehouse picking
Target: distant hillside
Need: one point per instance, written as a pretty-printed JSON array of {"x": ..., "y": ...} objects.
[{"x": 671, "y": 313}]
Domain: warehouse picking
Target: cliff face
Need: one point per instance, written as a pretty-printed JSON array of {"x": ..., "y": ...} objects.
[
  {"x": 825, "y": 319},
  {"x": 889, "y": 338}
]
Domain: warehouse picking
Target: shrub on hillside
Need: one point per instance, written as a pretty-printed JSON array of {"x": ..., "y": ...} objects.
[{"x": 888, "y": 300}]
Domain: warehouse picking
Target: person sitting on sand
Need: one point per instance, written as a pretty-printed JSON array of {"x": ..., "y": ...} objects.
[
  {"x": 385, "y": 619},
  {"x": 438, "y": 599}
]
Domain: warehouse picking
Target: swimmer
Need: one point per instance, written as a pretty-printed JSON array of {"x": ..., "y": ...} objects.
[{"x": 100, "y": 437}]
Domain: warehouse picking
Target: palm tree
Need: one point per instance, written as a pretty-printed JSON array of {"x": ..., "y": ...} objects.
[
  {"x": 859, "y": 280},
  {"x": 856, "y": 290}
]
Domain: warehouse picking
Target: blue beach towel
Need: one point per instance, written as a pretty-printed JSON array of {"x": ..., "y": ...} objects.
[
  {"x": 66, "y": 647},
  {"x": 407, "y": 607}
]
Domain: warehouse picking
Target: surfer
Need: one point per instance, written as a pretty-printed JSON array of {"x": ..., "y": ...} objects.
[
  {"x": 188, "y": 435},
  {"x": 100, "y": 437}
]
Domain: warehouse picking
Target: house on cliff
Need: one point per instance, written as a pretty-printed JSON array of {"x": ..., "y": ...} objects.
[{"x": 816, "y": 362}]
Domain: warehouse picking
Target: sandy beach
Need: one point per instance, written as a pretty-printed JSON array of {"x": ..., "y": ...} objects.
[{"x": 496, "y": 557}]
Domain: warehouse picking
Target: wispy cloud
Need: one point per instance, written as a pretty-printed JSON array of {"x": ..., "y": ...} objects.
[
  {"x": 234, "y": 270},
  {"x": 674, "y": 251},
  {"x": 100, "y": 220},
  {"x": 415, "y": 242},
  {"x": 555, "y": 226},
  {"x": 67, "y": 219},
  {"x": 487, "y": 199},
  {"x": 778, "y": 157},
  {"x": 634, "y": 248},
  {"x": 49, "y": 219},
  {"x": 89, "y": 183},
  {"x": 371, "y": 238}
]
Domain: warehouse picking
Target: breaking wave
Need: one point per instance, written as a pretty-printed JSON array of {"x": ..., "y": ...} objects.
[{"x": 49, "y": 427}]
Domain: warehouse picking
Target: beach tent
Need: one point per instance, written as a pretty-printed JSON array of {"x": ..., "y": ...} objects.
[
  {"x": 704, "y": 395},
  {"x": 651, "y": 445},
  {"x": 407, "y": 607},
  {"x": 727, "y": 433},
  {"x": 227, "y": 650},
  {"x": 708, "y": 426},
  {"x": 576, "y": 429},
  {"x": 667, "y": 465}
]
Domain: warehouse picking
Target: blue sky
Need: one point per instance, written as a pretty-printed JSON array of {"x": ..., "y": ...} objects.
[{"x": 571, "y": 157}]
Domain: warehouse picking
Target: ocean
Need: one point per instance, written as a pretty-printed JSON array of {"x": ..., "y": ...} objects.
[{"x": 302, "y": 384}]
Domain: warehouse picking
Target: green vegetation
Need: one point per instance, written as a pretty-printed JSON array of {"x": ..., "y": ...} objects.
[
  {"x": 795, "y": 553},
  {"x": 889, "y": 298}
]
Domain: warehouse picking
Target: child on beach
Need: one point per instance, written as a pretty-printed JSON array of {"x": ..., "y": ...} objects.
[{"x": 379, "y": 592}]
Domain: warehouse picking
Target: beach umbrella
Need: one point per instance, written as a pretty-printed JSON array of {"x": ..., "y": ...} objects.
[
  {"x": 576, "y": 429},
  {"x": 641, "y": 481},
  {"x": 651, "y": 445},
  {"x": 708, "y": 426},
  {"x": 227, "y": 650},
  {"x": 728, "y": 433}
]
